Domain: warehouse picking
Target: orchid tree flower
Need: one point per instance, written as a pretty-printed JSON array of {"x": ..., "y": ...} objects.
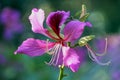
[{"x": 61, "y": 53}]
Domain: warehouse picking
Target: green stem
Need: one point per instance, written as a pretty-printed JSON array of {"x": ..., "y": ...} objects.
[
  {"x": 61, "y": 74},
  {"x": 72, "y": 46}
]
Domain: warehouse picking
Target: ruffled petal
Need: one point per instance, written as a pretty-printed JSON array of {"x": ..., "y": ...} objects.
[
  {"x": 74, "y": 29},
  {"x": 36, "y": 19},
  {"x": 56, "y": 19},
  {"x": 71, "y": 58},
  {"x": 34, "y": 47}
]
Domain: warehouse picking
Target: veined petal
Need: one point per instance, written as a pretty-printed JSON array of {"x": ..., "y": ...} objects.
[
  {"x": 34, "y": 47},
  {"x": 74, "y": 29},
  {"x": 36, "y": 19},
  {"x": 71, "y": 58},
  {"x": 56, "y": 19}
]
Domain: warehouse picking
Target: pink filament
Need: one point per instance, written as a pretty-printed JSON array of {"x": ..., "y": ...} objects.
[{"x": 93, "y": 55}]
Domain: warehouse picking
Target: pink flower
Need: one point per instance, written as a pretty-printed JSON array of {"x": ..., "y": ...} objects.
[{"x": 61, "y": 53}]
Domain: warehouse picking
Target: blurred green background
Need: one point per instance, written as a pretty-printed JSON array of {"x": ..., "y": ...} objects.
[{"x": 105, "y": 17}]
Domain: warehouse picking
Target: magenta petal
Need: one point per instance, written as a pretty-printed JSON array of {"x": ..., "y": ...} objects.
[
  {"x": 74, "y": 67},
  {"x": 74, "y": 29},
  {"x": 34, "y": 47},
  {"x": 56, "y": 19},
  {"x": 71, "y": 58},
  {"x": 36, "y": 19}
]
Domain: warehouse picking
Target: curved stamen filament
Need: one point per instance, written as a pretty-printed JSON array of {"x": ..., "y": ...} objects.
[
  {"x": 55, "y": 54},
  {"x": 47, "y": 41},
  {"x": 58, "y": 54},
  {"x": 105, "y": 50},
  {"x": 93, "y": 56},
  {"x": 90, "y": 55}
]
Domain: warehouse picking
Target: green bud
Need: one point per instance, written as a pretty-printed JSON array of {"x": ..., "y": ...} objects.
[
  {"x": 84, "y": 15},
  {"x": 84, "y": 40},
  {"x": 84, "y": 11}
]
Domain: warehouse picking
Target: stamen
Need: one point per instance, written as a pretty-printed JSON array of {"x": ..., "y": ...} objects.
[
  {"x": 105, "y": 50},
  {"x": 59, "y": 49},
  {"x": 47, "y": 50},
  {"x": 52, "y": 50},
  {"x": 55, "y": 54},
  {"x": 94, "y": 58},
  {"x": 90, "y": 55},
  {"x": 53, "y": 58},
  {"x": 47, "y": 41}
]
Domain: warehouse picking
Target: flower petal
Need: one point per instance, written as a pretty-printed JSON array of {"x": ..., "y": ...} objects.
[
  {"x": 56, "y": 19},
  {"x": 36, "y": 19},
  {"x": 71, "y": 59},
  {"x": 34, "y": 47},
  {"x": 74, "y": 29}
]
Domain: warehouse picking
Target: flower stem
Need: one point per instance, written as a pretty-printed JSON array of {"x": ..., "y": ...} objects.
[{"x": 61, "y": 74}]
